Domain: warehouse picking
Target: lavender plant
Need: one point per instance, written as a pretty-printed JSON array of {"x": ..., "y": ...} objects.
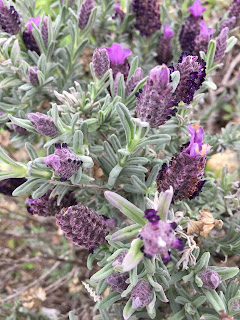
[{"x": 136, "y": 119}]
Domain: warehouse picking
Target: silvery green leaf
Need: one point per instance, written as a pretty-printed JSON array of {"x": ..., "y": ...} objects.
[
  {"x": 41, "y": 190},
  {"x": 78, "y": 141},
  {"x": 153, "y": 175},
  {"x": 115, "y": 254},
  {"x": 199, "y": 301},
  {"x": 203, "y": 55},
  {"x": 128, "y": 310},
  {"x": 133, "y": 68},
  {"x": 209, "y": 317},
  {"x": 202, "y": 262},
  {"x": 164, "y": 203},
  {"x": 15, "y": 53},
  {"x": 138, "y": 184},
  {"x": 72, "y": 316},
  {"x": 80, "y": 48},
  {"x": 76, "y": 178},
  {"x": 154, "y": 139},
  {"x": 27, "y": 186},
  {"x": 10, "y": 82},
  {"x": 231, "y": 43},
  {"x": 115, "y": 172},
  {"x": 210, "y": 85},
  {"x": 31, "y": 151},
  {"x": 106, "y": 302},
  {"x": 175, "y": 76},
  {"x": 210, "y": 54},
  {"x": 137, "y": 161},
  {"x": 110, "y": 153},
  {"x": 151, "y": 307},
  {"x": 90, "y": 24},
  {"x": 214, "y": 299},
  {"x": 134, "y": 256},
  {"x": 87, "y": 162},
  {"x": 225, "y": 272},
  {"x": 125, "y": 118},
  {"x": 42, "y": 63},
  {"x": 178, "y": 316},
  {"x": 126, "y": 207},
  {"x": 105, "y": 272},
  {"x": 121, "y": 87},
  {"x": 101, "y": 286},
  {"x": 149, "y": 266}
]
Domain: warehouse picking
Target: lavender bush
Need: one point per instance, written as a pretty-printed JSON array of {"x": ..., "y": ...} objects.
[{"x": 156, "y": 221}]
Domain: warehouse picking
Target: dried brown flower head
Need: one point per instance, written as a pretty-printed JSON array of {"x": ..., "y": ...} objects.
[{"x": 204, "y": 224}]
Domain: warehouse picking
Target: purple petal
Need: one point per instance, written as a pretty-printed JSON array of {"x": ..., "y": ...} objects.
[
  {"x": 52, "y": 161},
  {"x": 168, "y": 32},
  {"x": 36, "y": 21},
  {"x": 197, "y": 9},
  {"x": 116, "y": 53}
]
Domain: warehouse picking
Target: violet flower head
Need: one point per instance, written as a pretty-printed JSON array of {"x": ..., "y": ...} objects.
[
  {"x": 63, "y": 162},
  {"x": 134, "y": 80},
  {"x": 44, "y": 30},
  {"x": 117, "y": 281},
  {"x": 186, "y": 168},
  {"x": 141, "y": 294},
  {"x": 197, "y": 9},
  {"x": 101, "y": 62},
  {"x": 118, "y": 59},
  {"x": 9, "y": 19},
  {"x": 192, "y": 75},
  {"x": 28, "y": 37},
  {"x": 164, "y": 50},
  {"x": 191, "y": 28},
  {"x": 119, "y": 13},
  {"x": 32, "y": 76},
  {"x": 147, "y": 15},
  {"x": 83, "y": 226},
  {"x": 84, "y": 13},
  {"x": 156, "y": 103},
  {"x": 228, "y": 23},
  {"x": 158, "y": 237},
  {"x": 234, "y": 10},
  {"x": 7, "y": 186},
  {"x": 221, "y": 45},
  {"x": 203, "y": 39},
  {"x": 19, "y": 129},
  {"x": 43, "y": 123},
  {"x": 46, "y": 206},
  {"x": 210, "y": 279}
]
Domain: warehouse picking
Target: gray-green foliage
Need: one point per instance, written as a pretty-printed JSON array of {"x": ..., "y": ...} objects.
[{"x": 102, "y": 129}]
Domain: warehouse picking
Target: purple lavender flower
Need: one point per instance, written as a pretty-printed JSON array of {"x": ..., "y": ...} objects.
[
  {"x": 158, "y": 237},
  {"x": 84, "y": 13},
  {"x": 165, "y": 46},
  {"x": 210, "y": 279},
  {"x": 147, "y": 16},
  {"x": 43, "y": 124},
  {"x": 63, "y": 162},
  {"x": 44, "y": 30},
  {"x": 28, "y": 37},
  {"x": 9, "y": 19},
  {"x": 118, "y": 59},
  {"x": 141, "y": 294},
  {"x": 234, "y": 9},
  {"x": 186, "y": 168},
  {"x": 192, "y": 27},
  {"x": 101, "y": 62},
  {"x": 134, "y": 80},
  {"x": 118, "y": 12},
  {"x": 118, "y": 281},
  {"x": 156, "y": 102},
  {"x": 19, "y": 129},
  {"x": 228, "y": 23},
  {"x": 192, "y": 75},
  {"x": 221, "y": 45},
  {"x": 46, "y": 206},
  {"x": 83, "y": 226},
  {"x": 202, "y": 40},
  {"x": 7, "y": 186},
  {"x": 32, "y": 76}
]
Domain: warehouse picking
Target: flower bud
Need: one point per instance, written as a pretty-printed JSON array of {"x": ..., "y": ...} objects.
[
  {"x": 44, "y": 31},
  {"x": 118, "y": 281},
  {"x": 32, "y": 76},
  {"x": 19, "y": 129},
  {"x": 46, "y": 206},
  {"x": 43, "y": 124},
  {"x": 101, "y": 62},
  {"x": 210, "y": 279},
  {"x": 141, "y": 294},
  {"x": 28, "y": 37},
  {"x": 63, "y": 162},
  {"x": 83, "y": 226},
  {"x": 221, "y": 44},
  {"x": 84, "y": 13},
  {"x": 165, "y": 46},
  {"x": 9, "y": 19}
]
